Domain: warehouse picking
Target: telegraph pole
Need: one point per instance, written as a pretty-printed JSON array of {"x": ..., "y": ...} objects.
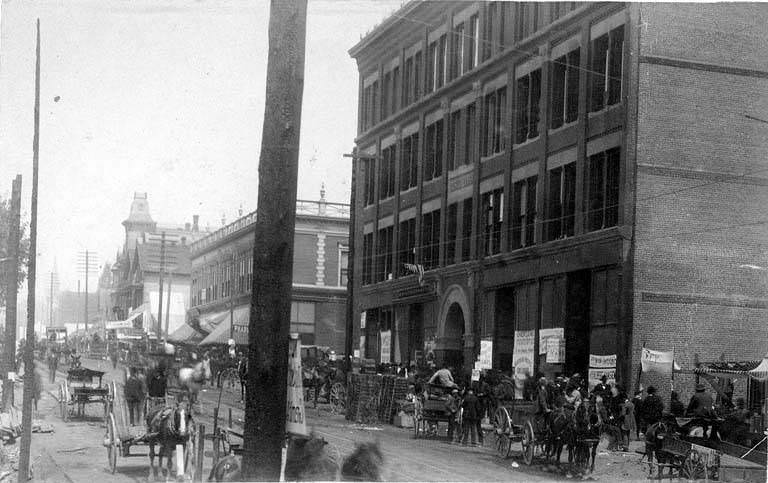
[
  {"x": 168, "y": 304},
  {"x": 84, "y": 267},
  {"x": 160, "y": 283},
  {"x": 11, "y": 292},
  {"x": 29, "y": 347},
  {"x": 266, "y": 394}
]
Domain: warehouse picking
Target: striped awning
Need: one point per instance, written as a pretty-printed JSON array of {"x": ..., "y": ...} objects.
[
  {"x": 185, "y": 334},
  {"x": 220, "y": 335},
  {"x": 755, "y": 369}
]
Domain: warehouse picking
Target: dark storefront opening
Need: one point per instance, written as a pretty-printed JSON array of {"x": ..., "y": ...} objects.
[
  {"x": 577, "y": 323},
  {"x": 454, "y": 334},
  {"x": 415, "y": 332}
]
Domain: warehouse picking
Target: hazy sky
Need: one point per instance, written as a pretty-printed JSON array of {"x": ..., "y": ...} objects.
[{"x": 165, "y": 97}]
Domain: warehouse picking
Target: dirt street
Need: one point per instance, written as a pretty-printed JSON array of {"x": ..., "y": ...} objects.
[{"x": 74, "y": 452}]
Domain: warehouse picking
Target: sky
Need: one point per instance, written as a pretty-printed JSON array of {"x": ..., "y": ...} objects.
[{"x": 164, "y": 97}]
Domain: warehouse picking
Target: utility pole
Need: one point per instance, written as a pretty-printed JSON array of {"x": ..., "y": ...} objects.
[
  {"x": 350, "y": 327},
  {"x": 160, "y": 283},
  {"x": 11, "y": 292},
  {"x": 268, "y": 332},
  {"x": 84, "y": 267},
  {"x": 77, "y": 319},
  {"x": 168, "y": 304},
  {"x": 29, "y": 347},
  {"x": 232, "y": 299}
]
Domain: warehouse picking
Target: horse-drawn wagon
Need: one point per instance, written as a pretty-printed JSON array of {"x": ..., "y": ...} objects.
[
  {"x": 514, "y": 420},
  {"x": 83, "y": 387},
  {"x": 167, "y": 424},
  {"x": 430, "y": 411},
  {"x": 322, "y": 377}
]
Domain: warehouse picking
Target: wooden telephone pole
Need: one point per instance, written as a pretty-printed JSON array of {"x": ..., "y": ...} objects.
[
  {"x": 29, "y": 347},
  {"x": 11, "y": 292},
  {"x": 268, "y": 331}
]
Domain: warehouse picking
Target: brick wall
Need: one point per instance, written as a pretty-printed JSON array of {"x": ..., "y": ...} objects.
[
  {"x": 332, "y": 259},
  {"x": 698, "y": 216}
]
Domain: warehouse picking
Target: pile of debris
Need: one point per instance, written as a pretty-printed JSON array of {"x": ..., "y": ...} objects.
[{"x": 9, "y": 461}]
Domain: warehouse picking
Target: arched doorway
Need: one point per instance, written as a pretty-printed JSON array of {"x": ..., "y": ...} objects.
[{"x": 454, "y": 335}]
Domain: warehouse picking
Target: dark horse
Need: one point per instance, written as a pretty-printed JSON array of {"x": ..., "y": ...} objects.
[
  {"x": 168, "y": 427},
  {"x": 585, "y": 436},
  {"x": 560, "y": 432}
]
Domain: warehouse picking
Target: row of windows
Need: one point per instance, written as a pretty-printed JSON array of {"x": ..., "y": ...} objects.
[
  {"x": 220, "y": 280},
  {"x": 601, "y": 207},
  {"x": 453, "y": 54},
  {"x": 564, "y": 101}
]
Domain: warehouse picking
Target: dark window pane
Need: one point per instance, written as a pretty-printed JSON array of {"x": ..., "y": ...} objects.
[
  {"x": 535, "y": 98},
  {"x": 572, "y": 104},
  {"x": 615, "y": 65},
  {"x": 522, "y": 109},
  {"x": 559, "y": 69},
  {"x": 599, "y": 52}
]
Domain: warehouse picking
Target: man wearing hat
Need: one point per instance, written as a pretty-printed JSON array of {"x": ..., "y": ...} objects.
[
  {"x": 452, "y": 408},
  {"x": 700, "y": 405},
  {"x": 653, "y": 407}
]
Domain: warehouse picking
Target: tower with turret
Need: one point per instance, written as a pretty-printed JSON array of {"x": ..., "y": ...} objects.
[{"x": 139, "y": 221}]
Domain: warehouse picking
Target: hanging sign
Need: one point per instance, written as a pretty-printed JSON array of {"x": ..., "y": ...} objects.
[
  {"x": 545, "y": 334},
  {"x": 485, "y": 361},
  {"x": 522, "y": 353},
  {"x": 386, "y": 346},
  {"x": 475, "y": 375},
  {"x": 602, "y": 361},
  {"x": 296, "y": 421},
  {"x": 362, "y": 346},
  {"x": 595, "y": 374},
  {"x": 656, "y": 361},
  {"x": 555, "y": 350},
  {"x": 362, "y": 320}
]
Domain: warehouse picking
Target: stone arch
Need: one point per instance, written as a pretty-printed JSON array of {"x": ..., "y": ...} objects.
[
  {"x": 455, "y": 294},
  {"x": 455, "y": 340}
]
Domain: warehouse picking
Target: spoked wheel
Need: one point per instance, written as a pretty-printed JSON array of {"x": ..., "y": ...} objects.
[
  {"x": 693, "y": 466},
  {"x": 501, "y": 429},
  {"x": 112, "y": 447},
  {"x": 528, "y": 442},
  {"x": 338, "y": 397}
]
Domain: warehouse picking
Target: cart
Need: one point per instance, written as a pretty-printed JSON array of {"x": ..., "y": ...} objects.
[
  {"x": 428, "y": 413},
  {"x": 121, "y": 436},
  {"x": 684, "y": 458},
  {"x": 81, "y": 389},
  {"x": 515, "y": 421}
]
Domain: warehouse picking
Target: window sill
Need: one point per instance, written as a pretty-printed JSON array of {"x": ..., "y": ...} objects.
[
  {"x": 605, "y": 110},
  {"x": 463, "y": 169},
  {"x": 408, "y": 190},
  {"x": 563, "y": 127},
  {"x": 491, "y": 156},
  {"x": 527, "y": 142}
]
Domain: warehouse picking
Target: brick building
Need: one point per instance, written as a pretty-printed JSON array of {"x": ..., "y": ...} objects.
[
  {"x": 222, "y": 265},
  {"x": 587, "y": 168}
]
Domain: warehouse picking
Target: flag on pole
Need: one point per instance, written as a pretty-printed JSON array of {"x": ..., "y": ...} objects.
[
  {"x": 416, "y": 268},
  {"x": 658, "y": 361}
]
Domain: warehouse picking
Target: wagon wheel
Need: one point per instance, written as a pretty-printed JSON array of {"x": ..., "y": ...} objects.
[
  {"x": 338, "y": 397},
  {"x": 112, "y": 447},
  {"x": 502, "y": 427},
  {"x": 528, "y": 442},
  {"x": 692, "y": 467}
]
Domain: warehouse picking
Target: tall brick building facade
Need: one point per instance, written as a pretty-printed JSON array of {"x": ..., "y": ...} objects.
[
  {"x": 584, "y": 167},
  {"x": 222, "y": 267}
]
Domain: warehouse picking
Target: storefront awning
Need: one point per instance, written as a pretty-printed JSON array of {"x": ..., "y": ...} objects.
[
  {"x": 755, "y": 369},
  {"x": 123, "y": 324},
  {"x": 209, "y": 322},
  {"x": 185, "y": 334},
  {"x": 220, "y": 335}
]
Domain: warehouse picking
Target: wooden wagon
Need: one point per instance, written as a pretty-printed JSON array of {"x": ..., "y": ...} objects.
[
  {"x": 515, "y": 421},
  {"x": 83, "y": 387},
  {"x": 121, "y": 436}
]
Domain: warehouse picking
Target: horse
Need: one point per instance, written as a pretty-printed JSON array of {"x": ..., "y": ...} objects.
[
  {"x": 585, "y": 436},
  {"x": 168, "y": 427},
  {"x": 191, "y": 379},
  {"x": 560, "y": 432}
]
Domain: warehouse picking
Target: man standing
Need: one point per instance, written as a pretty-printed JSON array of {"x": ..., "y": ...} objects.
[
  {"x": 53, "y": 363},
  {"x": 157, "y": 383},
  {"x": 700, "y": 405},
  {"x": 653, "y": 407},
  {"x": 471, "y": 414},
  {"x": 452, "y": 408},
  {"x": 242, "y": 372},
  {"x": 134, "y": 396}
]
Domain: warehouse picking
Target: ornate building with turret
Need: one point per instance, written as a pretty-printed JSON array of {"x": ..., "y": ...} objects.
[{"x": 152, "y": 252}]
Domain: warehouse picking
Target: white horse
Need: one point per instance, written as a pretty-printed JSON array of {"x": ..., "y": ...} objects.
[{"x": 192, "y": 378}]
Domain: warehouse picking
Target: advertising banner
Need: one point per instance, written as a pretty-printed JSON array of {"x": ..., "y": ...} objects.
[
  {"x": 656, "y": 361},
  {"x": 596, "y": 373},
  {"x": 602, "y": 361},
  {"x": 485, "y": 361},
  {"x": 522, "y": 353},
  {"x": 362, "y": 320},
  {"x": 386, "y": 346},
  {"x": 545, "y": 334},
  {"x": 295, "y": 420},
  {"x": 555, "y": 350}
]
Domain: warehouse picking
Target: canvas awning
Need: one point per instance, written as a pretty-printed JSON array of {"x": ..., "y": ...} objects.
[
  {"x": 123, "y": 324},
  {"x": 209, "y": 322},
  {"x": 755, "y": 369},
  {"x": 220, "y": 335},
  {"x": 185, "y": 334}
]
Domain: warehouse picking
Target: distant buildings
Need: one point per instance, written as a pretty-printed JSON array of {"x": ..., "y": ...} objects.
[
  {"x": 135, "y": 275},
  {"x": 586, "y": 171},
  {"x": 222, "y": 264}
]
